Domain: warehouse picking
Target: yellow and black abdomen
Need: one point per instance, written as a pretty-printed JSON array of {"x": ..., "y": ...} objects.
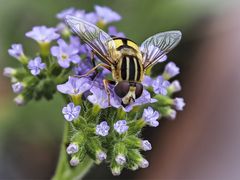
[
  {"x": 129, "y": 65},
  {"x": 130, "y": 68}
]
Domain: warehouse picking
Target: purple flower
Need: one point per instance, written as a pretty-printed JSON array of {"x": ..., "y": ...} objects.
[
  {"x": 36, "y": 66},
  {"x": 16, "y": 51},
  {"x": 120, "y": 159},
  {"x": 65, "y": 53},
  {"x": 72, "y": 148},
  {"x": 17, "y": 87},
  {"x": 145, "y": 98},
  {"x": 74, "y": 161},
  {"x": 171, "y": 70},
  {"x": 83, "y": 67},
  {"x": 175, "y": 86},
  {"x": 143, "y": 163},
  {"x": 43, "y": 34},
  {"x": 106, "y": 14},
  {"x": 91, "y": 17},
  {"x": 79, "y": 14},
  {"x": 179, "y": 103},
  {"x": 75, "y": 42},
  {"x": 172, "y": 114},
  {"x": 112, "y": 30},
  {"x": 101, "y": 155},
  {"x": 9, "y": 72},
  {"x": 61, "y": 15},
  {"x": 102, "y": 129},
  {"x": 160, "y": 85},
  {"x": 98, "y": 97},
  {"x": 150, "y": 117},
  {"x": 75, "y": 86},
  {"x": 147, "y": 81},
  {"x": 121, "y": 126},
  {"x": 146, "y": 145},
  {"x": 71, "y": 112},
  {"x": 19, "y": 100}
]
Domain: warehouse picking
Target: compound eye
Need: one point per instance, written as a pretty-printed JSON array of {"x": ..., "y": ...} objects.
[
  {"x": 139, "y": 90},
  {"x": 122, "y": 88}
]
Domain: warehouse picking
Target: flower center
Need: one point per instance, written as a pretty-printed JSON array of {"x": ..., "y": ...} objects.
[{"x": 64, "y": 56}]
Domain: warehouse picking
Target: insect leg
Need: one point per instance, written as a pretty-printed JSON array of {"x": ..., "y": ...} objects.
[
  {"x": 93, "y": 69},
  {"x": 105, "y": 83}
]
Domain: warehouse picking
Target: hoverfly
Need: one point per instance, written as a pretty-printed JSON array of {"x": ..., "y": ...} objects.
[{"x": 123, "y": 57}]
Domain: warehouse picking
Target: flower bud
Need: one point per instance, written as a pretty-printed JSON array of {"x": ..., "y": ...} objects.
[
  {"x": 72, "y": 148},
  {"x": 120, "y": 159},
  {"x": 101, "y": 156},
  {"x": 116, "y": 170},
  {"x": 9, "y": 72},
  {"x": 19, "y": 100},
  {"x": 174, "y": 87},
  {"x": 179, "y": 103},
  {"x": 143, "y": 163},
  {"x": 17, "y": 87},
  {"x": 146, "y": 145},
  {"x": 74, "y": 161}
]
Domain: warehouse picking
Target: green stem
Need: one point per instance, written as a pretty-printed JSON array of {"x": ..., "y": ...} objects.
[{"x": 64, "y": 171}]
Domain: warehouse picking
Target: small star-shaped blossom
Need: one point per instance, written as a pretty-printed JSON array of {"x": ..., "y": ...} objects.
[
  {"x": 121, "y": 126},
  {"x": 71, "y": 112},
  {"x": 160, "y": 85},
  {"x": 65, "y": 53},
  {"x": 179, "y": 103},
  {"x": 171, "y": 69},
  {"x": 16, "y": 51},
  {"x": 43, "y": 34},
  {"x": 102, "y": 128},
  {"x": 17, "y": 87},
  {"x": 150, "y": 117},
  {"x": 75, "y": 86},
  {"x": 36, "y": 65},
  {"x": 107, "y": 15}
]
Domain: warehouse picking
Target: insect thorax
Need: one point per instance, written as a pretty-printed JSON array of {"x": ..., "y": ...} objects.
[{"x": 128, "y": 61}]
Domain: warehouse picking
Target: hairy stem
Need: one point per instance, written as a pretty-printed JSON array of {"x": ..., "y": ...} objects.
[{"x": 64, "y": 171}]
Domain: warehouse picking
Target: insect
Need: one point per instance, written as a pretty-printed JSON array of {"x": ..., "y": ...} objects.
[{"x": 123, "y": 57}]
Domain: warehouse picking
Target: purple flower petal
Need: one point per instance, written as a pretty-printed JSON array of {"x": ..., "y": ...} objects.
[
  {"x": 43, "y": 34},
  {"x": 150, "y": 117},
  {"x": 36, "y": 65},
  {"x": 71, "y": 112},
  {"x": 75, "y": 86},
  {"x": 121, "y": 126}
]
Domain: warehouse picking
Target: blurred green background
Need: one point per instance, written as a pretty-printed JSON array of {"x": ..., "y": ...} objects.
[{"x": 30, "y": 135}]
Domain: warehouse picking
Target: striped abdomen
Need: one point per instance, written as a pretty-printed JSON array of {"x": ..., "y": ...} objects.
[{"x": 131, "y": 69}]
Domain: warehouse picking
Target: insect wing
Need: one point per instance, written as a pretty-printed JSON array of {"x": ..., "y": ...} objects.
[
  {"x": 155, "y": 48},
  {"x": 93, "y": 36}
]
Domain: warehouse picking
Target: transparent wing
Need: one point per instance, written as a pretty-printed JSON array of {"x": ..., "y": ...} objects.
[
  {"x": 96, "y": 38},
  {"x": 155, "y": 48}
]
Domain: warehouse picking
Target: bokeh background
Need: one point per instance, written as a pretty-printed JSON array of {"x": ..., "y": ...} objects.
[{"x": 202, "y": 143}]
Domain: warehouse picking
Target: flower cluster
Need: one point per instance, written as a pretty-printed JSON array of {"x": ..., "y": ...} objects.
[{"x": 100, "y": 128}]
